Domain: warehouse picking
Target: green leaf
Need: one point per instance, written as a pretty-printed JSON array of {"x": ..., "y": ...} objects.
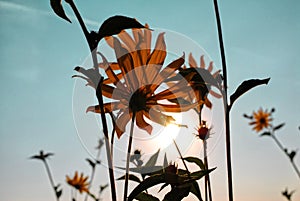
[
  {"x": 116, "y": 24},
  {"x": 152, "y": 161},
  {"x": 246, "y": 86},
  {"x": 265, "y": 134},
  {"x": 146, "y": 184},
  {"x": 146, "y": 197},
  {"x": 196, "y": 190},
  {"x": 278, "y": 127},
  {"x": 58, "y": 9},
  {"x": 131, "y": 177},
  {"x": 195, "y": 160}
]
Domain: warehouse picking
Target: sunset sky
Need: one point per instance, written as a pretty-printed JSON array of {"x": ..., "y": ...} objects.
[{"x": 42, "y": 107}]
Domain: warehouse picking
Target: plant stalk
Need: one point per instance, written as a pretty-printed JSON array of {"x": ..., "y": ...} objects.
[
  {"x": 92, "y": 47},
  {"x": 207, "y": 178},
  {"x": 225, "y": 100},
  {"x": 50, "y": 178},
  {"x": 181, "y": 157},
  {"x": 128, "y": 157}
]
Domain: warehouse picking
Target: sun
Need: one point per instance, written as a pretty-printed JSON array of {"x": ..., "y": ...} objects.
[{"x": 167, "y": 135}]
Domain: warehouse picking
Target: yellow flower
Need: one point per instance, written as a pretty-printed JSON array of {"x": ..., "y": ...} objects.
[
  {"x": 78, "y": 182},
  {"x": 135, "y": 88},
  {"x": 262, "y": 120}
]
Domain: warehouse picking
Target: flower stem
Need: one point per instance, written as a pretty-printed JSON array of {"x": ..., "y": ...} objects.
[
  {"x": 93, "y": 46},
  {"x": 128, "y": 157},
  {"x": 50, "y": 178},
  {"x": 207, "y": 178},
  {"x": 181, "y": 157},
  {"x": 286, "y": 153},
  {"x": 225, "y": 100}
]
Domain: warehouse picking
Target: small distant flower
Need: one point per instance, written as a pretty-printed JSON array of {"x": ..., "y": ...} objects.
[
  {"x": 261, "y": 120},
  {"x": 100, "y": 144},
  {"x": 78, "y": 182},
  {"x": 42, "y": 156}
]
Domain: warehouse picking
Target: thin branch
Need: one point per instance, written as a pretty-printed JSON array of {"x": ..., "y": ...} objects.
[{"x": 181, "y": 157}]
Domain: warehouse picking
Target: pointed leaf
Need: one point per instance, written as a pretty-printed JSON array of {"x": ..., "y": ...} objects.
[
  {"x": 196, "y": 190},
  {"x": 162, "y": 187},
  {"x": 195, "y": 160},
  {"x": 146, "y": 184},
  {"x": 165, "y": 161},
  {"x": 265, "y": 134},
  {"x": 151, "y": 162},
  {"x": 131, "y": 177},
  {"x": 58, "y": 193},
  {"x": 177, "y": 194},
  {"x": 246, "y": 86},
  {"x": 58, "y": 9},
  {"x": 146, "y": 197},
  {"x": 278, "y": 127},
  {"x": 116, "y": 24}
]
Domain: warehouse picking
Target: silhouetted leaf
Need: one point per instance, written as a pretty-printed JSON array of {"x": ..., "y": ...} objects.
[
  {"x": 195, "y": 160},
  {"x": 146, "y": 184},
  {"x": 58, "y": 9},
  {"x": 292, "y": 155},
  {"x": 58, "y": 193},
  {"x": 152, "y": 161},
  {"x": 131, "y": 177},
  {"x": 287, "y": 194},
  {"x": 162, "y": 187},
  {"x": 199, "y": 174},
  {"x": 145, "y": 170},
  {"x": 196, "y": 190},
  {"x": 246, "y": 86},
  {"x": 91, "y": 163},
  {"x": 116, "y": 24},
  {"x": 102, "y": 187},
  {"x": 177, "y": 194},
  {"x": 265, "y": 134},
  {"x": 146, "y": 197},
  {"x": 278, "y": 127},
  {"x": 42, "y": 156},
  {"x": 166, "y": 163},
  {"x": 247, "y": 116}
]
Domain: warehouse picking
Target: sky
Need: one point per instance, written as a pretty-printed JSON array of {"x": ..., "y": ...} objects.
[{"x": 38, "y": 108}]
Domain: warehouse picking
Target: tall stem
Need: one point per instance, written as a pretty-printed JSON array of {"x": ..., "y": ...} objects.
[
  {"x": 128, "y": 157},
  {"x": 225, "y": 100},
  {"x": 207, "y": 178},
  {"x": 93, "y": 45},
  {"x": 50, "y": 178},
  {"x": 181, "y": 157}
]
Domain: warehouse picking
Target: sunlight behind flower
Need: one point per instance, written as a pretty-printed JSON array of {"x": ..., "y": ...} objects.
[{"x": 166, "y": 137}]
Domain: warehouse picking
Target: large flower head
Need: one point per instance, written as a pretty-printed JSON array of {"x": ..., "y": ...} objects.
[
  {"x": 78, "y": 182},
  {"x": 133, "y": 82},
  {"x": 262, "y": 119}
]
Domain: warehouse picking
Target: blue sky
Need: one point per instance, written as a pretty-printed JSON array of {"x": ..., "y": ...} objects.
[{"x": 39, "y": 52}]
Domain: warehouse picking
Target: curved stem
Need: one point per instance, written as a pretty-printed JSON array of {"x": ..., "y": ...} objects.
[
  {"x": 50, "y": 178},
  {"x": 128, "y": 157},
  {"x": 93, "y": 45},
  {"x": 225, "y": 100}
]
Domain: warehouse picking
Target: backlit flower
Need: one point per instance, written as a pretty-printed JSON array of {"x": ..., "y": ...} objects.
[
  {"x": 78, "y": 182},
  {"x": 134, "y": 80},
  {"x": 262, "y": 120},
  {"x": 202, "y": 81}
]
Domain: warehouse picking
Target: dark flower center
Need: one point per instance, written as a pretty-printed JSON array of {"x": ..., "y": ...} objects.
[
  {"x": 262, "y": 121},
  {"x": 138, "y": 101}
]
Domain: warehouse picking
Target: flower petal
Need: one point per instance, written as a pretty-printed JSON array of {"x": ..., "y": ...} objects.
[
  {"x": 121, "y": 122},
  {"x": 141, "y": 123},
  {"x": 192, "y": 61}
]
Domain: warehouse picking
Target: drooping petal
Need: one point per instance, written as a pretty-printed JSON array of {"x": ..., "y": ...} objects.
[
  {"x": 141, "y": 123},
  {"x": 215, "y": 94},
  {"x": 121, "y": 122},
  {"x": 159, "y": 53},
  {"x": 127, "y": 40},
  {"x": 159, "y": 117}
]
